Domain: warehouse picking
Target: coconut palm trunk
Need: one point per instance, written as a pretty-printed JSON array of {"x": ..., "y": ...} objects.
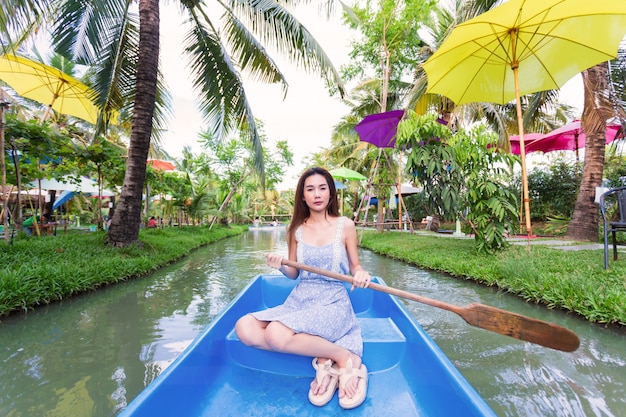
[
  {"x": 124, "y": 230},
  {"x": 597, "y": 109}
]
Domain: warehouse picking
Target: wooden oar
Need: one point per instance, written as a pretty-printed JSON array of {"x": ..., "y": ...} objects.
[{"x": 479, "y": 315}]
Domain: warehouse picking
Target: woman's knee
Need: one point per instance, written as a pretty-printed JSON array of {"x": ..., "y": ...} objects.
[
  {"x": 246, "y": 328},
  {"x": 277, "y": 336}
]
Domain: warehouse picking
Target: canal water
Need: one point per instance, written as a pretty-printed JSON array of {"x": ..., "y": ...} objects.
[{"x": 89, "y": 356}]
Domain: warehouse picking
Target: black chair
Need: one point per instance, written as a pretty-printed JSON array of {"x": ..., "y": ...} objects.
[{"x": 618, "y": 194}]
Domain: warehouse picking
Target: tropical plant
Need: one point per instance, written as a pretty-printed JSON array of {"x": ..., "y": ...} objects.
[
  {"x": 232, "y": 160},
  {"x": 600, "y": 105},
  {"x": 429, "y": 161},
  {"x": 491, "y": 207},
  {"x": 461, "y": 176},
  {"x": 223, "y": 42},
  {"x": 553, "y": 189},
  {"x": 390, "y": 44},
  {"x": 382, "y": 59},
  {"x": 37, "y": 151}
]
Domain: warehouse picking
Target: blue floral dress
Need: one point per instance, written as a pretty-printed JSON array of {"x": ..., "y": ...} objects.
[{"x": 319, "y": 305}]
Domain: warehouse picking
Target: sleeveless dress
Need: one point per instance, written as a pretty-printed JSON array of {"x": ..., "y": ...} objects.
[{"x": 319, "y": 305}]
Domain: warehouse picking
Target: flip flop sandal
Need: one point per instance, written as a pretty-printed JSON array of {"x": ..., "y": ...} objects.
[
  {"x": 321, "y": 371},
  {"x": 344, "y": 376}
]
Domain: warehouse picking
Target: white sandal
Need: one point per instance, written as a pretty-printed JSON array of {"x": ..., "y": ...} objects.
[
  {"x": 344, "y": 376},
  {"x": 321, "y": 371}
]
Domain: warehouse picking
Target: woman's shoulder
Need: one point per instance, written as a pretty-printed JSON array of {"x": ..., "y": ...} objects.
[{"x": 347, "y": 222}]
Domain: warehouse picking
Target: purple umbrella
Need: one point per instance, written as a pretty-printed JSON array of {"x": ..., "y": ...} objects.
[
  {"x": 379, "y": 129},
  {"x": 571, "y": 137}
]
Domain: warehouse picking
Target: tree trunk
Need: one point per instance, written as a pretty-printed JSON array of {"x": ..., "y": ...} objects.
[
  {"x": 230, "y": 195},
  {"x": 47, "y": 211},
  {"x": 126, "y": 220},
  {"x": 597, "y": 109}
]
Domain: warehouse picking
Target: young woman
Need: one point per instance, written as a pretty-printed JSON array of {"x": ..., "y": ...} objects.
[{"x": 317, "y": 318}]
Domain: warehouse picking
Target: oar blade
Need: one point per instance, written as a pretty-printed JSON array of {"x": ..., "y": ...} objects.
[{"x": 520, "y": 327}]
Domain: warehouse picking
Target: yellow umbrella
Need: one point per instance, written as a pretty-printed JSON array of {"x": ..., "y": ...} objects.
[
  {"x": 521, "y": 47},
  {"x": 49, "y": 86}
]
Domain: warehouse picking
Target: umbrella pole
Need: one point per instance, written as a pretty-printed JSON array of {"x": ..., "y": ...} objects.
[
  {"x": 368, "y": 190},
  {"x": 399, "y": 190},
  {"x": 5, "y": 194},
  {"x": 341, "y": 214},
  {"x": 54, "y": 98},
  {"x": 522, "y": 148}
]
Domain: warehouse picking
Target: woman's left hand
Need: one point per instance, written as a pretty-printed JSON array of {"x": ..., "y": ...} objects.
[{"x": 361, "y": 279}]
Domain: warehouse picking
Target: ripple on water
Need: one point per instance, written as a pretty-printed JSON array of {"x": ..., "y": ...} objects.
[{"x": 112, "y": 342}]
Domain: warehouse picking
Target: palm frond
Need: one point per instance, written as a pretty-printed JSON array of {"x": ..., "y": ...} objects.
[
  {"x": 250, "y": 54},
  {"x": 105, "y": 36},
  {"x": 19, "y": 19},
  {"x": 215, "y": 76},
  {"x": 276, "y": 27}
]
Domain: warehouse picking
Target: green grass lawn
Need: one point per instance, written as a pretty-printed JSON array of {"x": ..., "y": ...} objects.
[
  {"x": 571, "y": 280},
  {"x": 40, "y": 270}
]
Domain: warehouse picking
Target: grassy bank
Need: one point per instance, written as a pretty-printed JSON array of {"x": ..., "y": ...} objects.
[
  {"x": 571, "y": 280},
  {"x": 36, "y": 271}
]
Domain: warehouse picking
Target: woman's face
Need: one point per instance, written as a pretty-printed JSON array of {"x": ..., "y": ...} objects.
[{"x": 316, "y": 192}]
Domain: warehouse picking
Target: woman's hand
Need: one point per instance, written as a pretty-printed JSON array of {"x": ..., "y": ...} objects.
[
  {"x": 273, "y": 260},
  {"x": 361, "y": 279}
]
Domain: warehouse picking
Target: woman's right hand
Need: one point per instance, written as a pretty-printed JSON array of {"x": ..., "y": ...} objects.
[{"x": 274, "y": 260}]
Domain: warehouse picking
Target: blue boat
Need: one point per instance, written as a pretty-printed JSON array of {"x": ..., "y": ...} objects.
[{"x": 217, "y": 375}]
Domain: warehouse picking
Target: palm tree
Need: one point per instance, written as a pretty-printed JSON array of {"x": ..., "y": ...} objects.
[
  {"x": 599, "y": 106},
  {"x": 103, "y": 33}
]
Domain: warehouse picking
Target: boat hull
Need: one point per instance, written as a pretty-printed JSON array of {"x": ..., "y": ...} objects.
[{"x": 219, "y": 376}]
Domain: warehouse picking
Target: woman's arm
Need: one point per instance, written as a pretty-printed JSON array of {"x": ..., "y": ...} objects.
[
  {"x": 274, "y": 260},
  {"x": 361, "y": 278}
]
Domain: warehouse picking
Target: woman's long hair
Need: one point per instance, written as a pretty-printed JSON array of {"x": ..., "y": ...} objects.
[{"x": 301, "y": 211}]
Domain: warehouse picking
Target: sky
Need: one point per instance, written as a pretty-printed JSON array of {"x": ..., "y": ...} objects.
[{"x": 305, "y": 118}]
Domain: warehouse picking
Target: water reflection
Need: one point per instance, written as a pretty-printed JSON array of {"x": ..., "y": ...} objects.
[
  {"x": 91, "y": 355},
  {"x": 514, "y": 377}
]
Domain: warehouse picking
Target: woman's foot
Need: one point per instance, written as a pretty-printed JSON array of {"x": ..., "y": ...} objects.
[
  {"x": 325, "y": 383},
  {"x": 352, "y": 385}
]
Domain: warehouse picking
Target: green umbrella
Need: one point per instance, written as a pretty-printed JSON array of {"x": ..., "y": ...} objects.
[{"x": 347, "y": 174}]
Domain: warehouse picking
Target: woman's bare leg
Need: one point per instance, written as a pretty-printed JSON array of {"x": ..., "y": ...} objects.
[
  {"x": 280, "y": 338},
  {"x": 275, "y": 336},
  {"x": 251, "y": 332}
]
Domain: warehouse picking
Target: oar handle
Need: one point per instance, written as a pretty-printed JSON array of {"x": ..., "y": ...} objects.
[
  {"x": 478, "y": 315},
  {"x": 374, "y": 286}
]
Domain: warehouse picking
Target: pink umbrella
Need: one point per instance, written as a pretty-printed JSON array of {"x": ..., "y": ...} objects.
[
  {"x": 571, "y": 137},
  {"x": 528, "y": 139}
]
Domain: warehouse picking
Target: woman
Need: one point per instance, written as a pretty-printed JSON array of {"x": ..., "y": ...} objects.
[{"x": 317, "y": 318}]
